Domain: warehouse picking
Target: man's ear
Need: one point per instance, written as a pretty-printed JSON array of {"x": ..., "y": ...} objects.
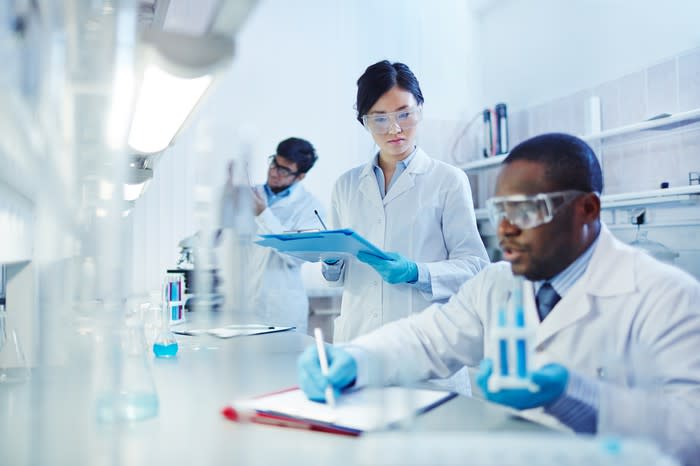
[
  {"x": 301, "y": 176},
  {"x": 591, "y": 206}
]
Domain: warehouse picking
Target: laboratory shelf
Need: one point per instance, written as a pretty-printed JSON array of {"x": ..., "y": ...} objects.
[
  {"x": 672, "y": 119},
  {"x": 481, "y": 214},
  {"x": 679, "y": 195},
  {"x": 647, "y": 124},
  {"x": 484, "y": 163}
]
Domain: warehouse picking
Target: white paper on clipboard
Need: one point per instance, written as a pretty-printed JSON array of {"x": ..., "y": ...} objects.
[{"x": 231, "y": 331}]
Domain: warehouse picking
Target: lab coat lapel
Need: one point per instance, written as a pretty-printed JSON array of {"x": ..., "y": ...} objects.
[
  {"x": 368, "y": 186},
  {"x": 596, "y": 281},
  {"x": 406, "y": 180}
]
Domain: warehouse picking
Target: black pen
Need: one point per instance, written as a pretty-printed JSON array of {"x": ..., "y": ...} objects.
[{"x": 320, "y": 220}]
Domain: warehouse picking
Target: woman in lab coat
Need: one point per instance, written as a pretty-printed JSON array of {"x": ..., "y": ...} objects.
[{"x": 405, "y": 202}]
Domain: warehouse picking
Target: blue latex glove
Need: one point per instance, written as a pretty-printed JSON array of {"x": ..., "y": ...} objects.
[
  {"x": 398, "y": 269},
  {"x": 551, "y": 379},
  {"x": 342, "y": 372}
]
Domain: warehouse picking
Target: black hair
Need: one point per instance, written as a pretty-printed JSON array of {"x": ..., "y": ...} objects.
[
  {"x": 570, "y": 162},
  {"x": 378, "y": 79},
  {"x": 299, "y": 151}
]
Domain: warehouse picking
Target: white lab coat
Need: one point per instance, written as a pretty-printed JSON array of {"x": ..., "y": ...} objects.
[
  {"x": 274, "y": 279},
  {"x": 627, "y": 307},
  {"x": 428, "y": 217}
]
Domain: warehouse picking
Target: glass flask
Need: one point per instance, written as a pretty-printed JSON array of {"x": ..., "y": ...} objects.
[
  {"x": 13, "y": 363},
  {"x": 654, "y": 248},
  {"x": 129, "y": 394},
  {"x": 165, "y": 345}
]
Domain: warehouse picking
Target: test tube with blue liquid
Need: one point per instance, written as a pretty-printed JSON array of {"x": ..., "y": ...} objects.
[{"x": 513, "y": 336}]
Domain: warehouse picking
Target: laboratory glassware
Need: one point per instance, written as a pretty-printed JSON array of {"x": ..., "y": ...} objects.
[
  {"x": 13, "y": 363},
  {"x": 165, "y": 344},
  {"x": 129, "y": 393}
]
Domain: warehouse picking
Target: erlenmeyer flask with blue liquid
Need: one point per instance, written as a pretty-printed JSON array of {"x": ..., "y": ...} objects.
[{"x": 165, "y": 344}]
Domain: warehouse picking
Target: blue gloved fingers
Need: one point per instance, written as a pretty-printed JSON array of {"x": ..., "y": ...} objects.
[
  {"x": 311, "y": 380},
  {"x": 371, "y": 259},
  {"x": 482, "y": 377},
  {"x": 342, "y": 368},
  {"x": 552, "y": 379},
  {"x": 396, "y": 269},
  {"x": 310, "y": 389}
]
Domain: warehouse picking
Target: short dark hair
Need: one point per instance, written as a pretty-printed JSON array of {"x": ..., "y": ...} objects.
[
  {"x": 299, "y": 151},
  {"x": 379, "y": 78},
  {"x": 570, "y": 162}
]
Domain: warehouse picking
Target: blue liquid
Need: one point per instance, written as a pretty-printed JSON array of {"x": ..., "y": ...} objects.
[
  {"x": 520, "y": 343},
  {"x": 165, "y": 350},
  {"x": 115, "y": 407},
  {"x": 520, "y": 352},
  {"x": 503, "y": 350}
]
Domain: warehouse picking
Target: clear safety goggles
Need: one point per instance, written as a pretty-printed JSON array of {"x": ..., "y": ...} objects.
[
  {"x": 527, "y": 212},
  {"x": 281, "y": 171},
  {"x": 382, "y": 123}
]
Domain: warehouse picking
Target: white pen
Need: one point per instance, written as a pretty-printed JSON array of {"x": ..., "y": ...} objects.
[{"x": 330, "y": 398}]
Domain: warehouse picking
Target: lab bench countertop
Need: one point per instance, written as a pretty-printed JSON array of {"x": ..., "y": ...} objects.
[{"x": 51, "y": 420}]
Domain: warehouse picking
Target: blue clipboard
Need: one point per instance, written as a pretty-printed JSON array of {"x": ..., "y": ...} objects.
[{"x": 314, "y": 246}]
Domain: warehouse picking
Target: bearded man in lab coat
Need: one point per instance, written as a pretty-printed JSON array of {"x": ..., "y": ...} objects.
[
  {"x": 281, "y": 204},
  {"x": 617, "y": 339}
]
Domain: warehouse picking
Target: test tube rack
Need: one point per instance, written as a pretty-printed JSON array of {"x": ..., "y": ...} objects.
[
  {"x": 513, "y": 336},
  {"x": 173, "y": 297}
]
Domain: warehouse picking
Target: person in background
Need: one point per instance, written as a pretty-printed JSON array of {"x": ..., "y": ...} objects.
[
  {"x": 281, "y": 204},
  {"x": 597, "y": 299},
  {"x": 405, "y": 202}
]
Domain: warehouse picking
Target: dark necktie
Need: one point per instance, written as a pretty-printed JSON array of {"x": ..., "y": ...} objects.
[{"x": 547, "y": 298}]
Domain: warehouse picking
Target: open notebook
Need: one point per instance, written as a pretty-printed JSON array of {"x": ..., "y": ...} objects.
[{"x": 356, "y": 411}]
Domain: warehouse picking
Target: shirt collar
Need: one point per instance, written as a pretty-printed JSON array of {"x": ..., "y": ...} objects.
[
  {"x": 403, "y": 164},
  {"x": 272, "y": 197},
  {"x": 564, "y": 280}
]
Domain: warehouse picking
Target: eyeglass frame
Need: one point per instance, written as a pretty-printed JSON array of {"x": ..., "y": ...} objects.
[
  {"x": 392, "y": 115},
  {"x": 282, "y": 171},
  {"x": 552, "y": 210}
]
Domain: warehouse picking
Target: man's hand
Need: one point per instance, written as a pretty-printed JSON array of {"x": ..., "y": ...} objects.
[
  {"x": 259, "y": 203},
  {"x": 342, "y": 372},
  {"x": 551, "y": 380}
]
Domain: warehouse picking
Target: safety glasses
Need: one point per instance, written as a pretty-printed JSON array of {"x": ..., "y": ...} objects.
[
  {"x": 282, "y": 171},
  {"x": 382, "y": 123},
  {"x": 527, "y": 212}
]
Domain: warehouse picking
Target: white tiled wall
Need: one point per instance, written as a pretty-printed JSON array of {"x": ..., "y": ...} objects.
[{"x": 639, "y": 161}]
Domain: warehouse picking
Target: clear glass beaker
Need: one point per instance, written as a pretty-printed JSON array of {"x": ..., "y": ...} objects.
[
  {"x": 13, "y": 363},
  {"x": 127, "y": 392}
]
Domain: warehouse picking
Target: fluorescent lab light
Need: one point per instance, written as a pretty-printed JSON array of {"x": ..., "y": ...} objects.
[
  {"x": 133, "y": 191},
  {"x": 137, "y": 180},
  {"x": 162, "y": 107}
]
